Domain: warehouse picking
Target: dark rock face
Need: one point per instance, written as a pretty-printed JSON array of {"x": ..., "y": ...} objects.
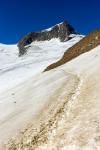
[{"x": 61, "y": 31}]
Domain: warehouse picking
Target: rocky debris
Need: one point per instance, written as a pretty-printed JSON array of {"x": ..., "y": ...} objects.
[
  {"x": 61, "y": 31},
  {"x": 86, "y": 44}
]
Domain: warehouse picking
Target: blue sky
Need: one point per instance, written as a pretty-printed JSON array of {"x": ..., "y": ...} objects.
[{"x": 18, "y": 17}]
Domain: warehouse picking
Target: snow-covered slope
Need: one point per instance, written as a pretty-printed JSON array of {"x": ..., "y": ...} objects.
[
  {"x": 64, "y": 104},
  {"x": 58, "y": 109},
  {"x": 14, "y": 69}
]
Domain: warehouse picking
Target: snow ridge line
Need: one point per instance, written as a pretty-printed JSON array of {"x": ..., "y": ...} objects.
[
  {"x": 60, "y": 119},
  {"x": 66, "y": 111},
  {"x": 74, "y": 96}
]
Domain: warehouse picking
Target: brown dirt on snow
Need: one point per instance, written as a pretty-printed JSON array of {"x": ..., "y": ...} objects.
[{"x": 32, "y": 138}]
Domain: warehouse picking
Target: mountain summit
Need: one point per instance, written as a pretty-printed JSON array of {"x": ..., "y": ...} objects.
[{"x": 61, "y": 31}]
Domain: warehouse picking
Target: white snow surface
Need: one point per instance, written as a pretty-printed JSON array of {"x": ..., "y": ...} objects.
[
  {"x": 81, "y": 121},
  {"x": 82, "y": 115},
  {"x": 14, "y": 69}
]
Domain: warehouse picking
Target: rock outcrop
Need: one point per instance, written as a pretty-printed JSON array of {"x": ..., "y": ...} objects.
[
  {"x": 61, "y": 31},
  {"x": 86, "y": 44}
]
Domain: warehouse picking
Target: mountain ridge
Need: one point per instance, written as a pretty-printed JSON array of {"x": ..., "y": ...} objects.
[
  {"x": 61, "y": 31},
  {"x": 84, "y": 45}
]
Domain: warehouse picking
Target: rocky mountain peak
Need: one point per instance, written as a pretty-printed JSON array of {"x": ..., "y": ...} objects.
[{"x": 61, "y": 31}]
